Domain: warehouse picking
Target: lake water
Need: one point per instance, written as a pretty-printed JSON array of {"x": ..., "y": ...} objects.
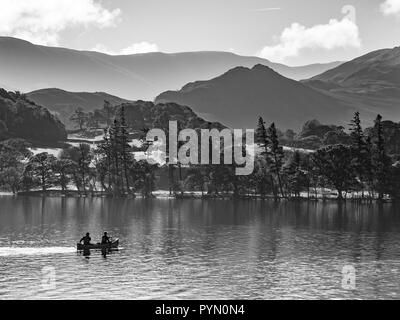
[{"x": 193, "y": 249}]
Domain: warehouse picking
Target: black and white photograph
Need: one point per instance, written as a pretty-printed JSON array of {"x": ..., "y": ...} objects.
[{"x": 187, "y": 150}]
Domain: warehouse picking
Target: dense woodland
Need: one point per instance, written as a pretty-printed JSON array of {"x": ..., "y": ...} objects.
[
  {"x": 22, "y": 118},
  {"x": 356, "y": 163},
  {"x": 139, "y": 115}
]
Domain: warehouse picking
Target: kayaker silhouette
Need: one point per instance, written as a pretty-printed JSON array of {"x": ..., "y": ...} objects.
[
  {"x": 105, "y": 239},
  {"x": 86, "y": 239}
]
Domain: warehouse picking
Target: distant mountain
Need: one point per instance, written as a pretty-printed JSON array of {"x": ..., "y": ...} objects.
[
  {"x": 240, "y": 95},
  {"x": 63, "y": 103},
  {"x": 370, "y": 83},
  {"x": 20, "y": 118},
  {"x": 382, "y": 66},
  {"x": 30, "y": 67},
  {"x": 54, "y": 98},
  {"x": 139, "y": 114},
  {"x": 301, "y": 72}
]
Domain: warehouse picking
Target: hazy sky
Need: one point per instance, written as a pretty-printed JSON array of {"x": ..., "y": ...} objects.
[{"x": 289, "y": 31}]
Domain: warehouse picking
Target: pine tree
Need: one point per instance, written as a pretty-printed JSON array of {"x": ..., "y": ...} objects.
[
  {"x": 275, "y": 156},
  {"x": 360, "y": 161},
  {"x": 104, "y": 166},
  {"x": 125, "y": 148},
  {"x": 263, "y": 143},
  {"x": 115, "y": 157},
  {"x": 380, "y": 160},
  {"x": 262, "y": 136}
]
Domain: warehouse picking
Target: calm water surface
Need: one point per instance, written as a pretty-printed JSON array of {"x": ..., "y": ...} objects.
[{"x": 195, "y": 249}]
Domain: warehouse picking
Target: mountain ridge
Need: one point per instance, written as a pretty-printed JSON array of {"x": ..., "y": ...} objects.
[
  {"x": 30, "y": 67},
  {"x": 369, "y": 82},
  {"x": 63, "y": 103},
  {"x": 259, "y": 91}
]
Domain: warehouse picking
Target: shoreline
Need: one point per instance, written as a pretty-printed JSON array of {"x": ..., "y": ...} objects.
[{"x": 189, "y": 195}]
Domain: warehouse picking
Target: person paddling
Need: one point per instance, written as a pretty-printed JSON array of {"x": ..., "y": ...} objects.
[
  {"x": 86, "y": 239},
  {"x": 105, "y": 239}
]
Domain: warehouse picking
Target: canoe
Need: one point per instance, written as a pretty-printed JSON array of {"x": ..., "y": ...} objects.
[{"x": 113, "y": 245}]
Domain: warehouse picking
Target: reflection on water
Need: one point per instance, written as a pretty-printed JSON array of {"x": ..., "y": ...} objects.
[
  {"x": 197, "y": 249},
  {"x": 27, "y": 251},
  {"x": 104, "y": 252}
]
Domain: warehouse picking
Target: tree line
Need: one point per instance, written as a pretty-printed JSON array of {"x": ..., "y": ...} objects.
[
  {"x": 360, "y": 168},
  {"x": 109, "y": 168}
]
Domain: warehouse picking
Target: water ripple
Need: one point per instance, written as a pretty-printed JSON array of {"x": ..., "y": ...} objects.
[{"x": 198, "y": 250}]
